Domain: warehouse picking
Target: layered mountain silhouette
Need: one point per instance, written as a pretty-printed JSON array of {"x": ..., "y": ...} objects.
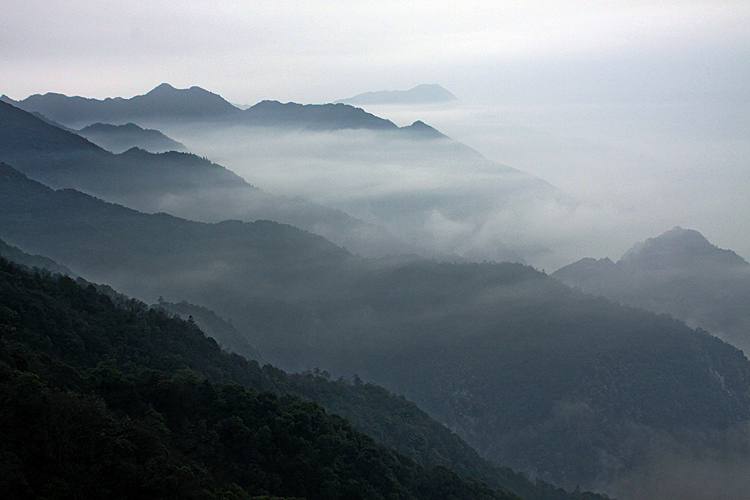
[
  {"x": 168, "y": 104},
  {"x": 679, "y": 273},
  {"x": 191, "y": 187},
  {"x": 560, "y": 384},
  {"x": 120, "y": 138},
  {"x": 421, "y": 130},
  {"x": 162, "y": 103},
  {"x": 680, "y": 248},
  {"x": 313, "y": 116},
  {"x": 420, "y": 94},
  {"x": 178, "y": 183},
  {"x": 518, "y": 364}
]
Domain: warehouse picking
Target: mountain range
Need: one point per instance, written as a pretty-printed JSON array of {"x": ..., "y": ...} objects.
[
  {"x": 163, "y": 102},
  {"x": 568, "y": 387},
  {"x": 166, "y": 103},
  {"x": 127, "y": 402},
  {"x": 373, "y": 199},
  {"x": 178, "y": 183}
]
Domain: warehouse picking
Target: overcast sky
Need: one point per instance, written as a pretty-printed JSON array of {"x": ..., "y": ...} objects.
[{"x": 320, "y": 51}]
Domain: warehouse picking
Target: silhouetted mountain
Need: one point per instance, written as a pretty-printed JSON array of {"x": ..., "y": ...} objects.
[
  {"x": 418, "y": 95},
  {"x": 137, "y": 234},
  {"x": 168, "y": 104},
  {"x": 573, "y": 388},
  {"x": 162, "y": 103},
  {"x": 63, "y": 159},
  {"x": 680, "y": 273},
  {"x": 120, "y": 138},
  {"x": 680, "y": 248},
  {"x": 313, "y": 116},
  {"x": 178, "y": 183},
  {"x": 421, "y": 130},
  {"x": 188, "y": 186}
]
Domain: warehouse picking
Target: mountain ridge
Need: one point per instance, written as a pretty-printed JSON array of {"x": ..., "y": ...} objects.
[
  {"x": 120, "y": 138},
  {"x": 130, "y": 399},
  {"x": 166, "y": 102},
  {"x": 679, "y": 243},
  {"x": 180, "y": 183},
  {"x": 680, "y": 273}
]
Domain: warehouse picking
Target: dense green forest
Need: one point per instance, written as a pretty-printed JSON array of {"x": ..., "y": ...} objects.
[{"x": 109, "y": 397}]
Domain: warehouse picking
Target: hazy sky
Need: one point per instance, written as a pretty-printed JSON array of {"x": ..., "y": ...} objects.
[
  {"x": 320, "y": 51},
  {"x": 643, "y": 106}
]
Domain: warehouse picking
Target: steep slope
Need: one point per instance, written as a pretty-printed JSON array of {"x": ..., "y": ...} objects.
[
  {"x": 120, "y": 138},
  {"x": 577, "y": 390},
  {"x": 679, "y": 273},
  {"x": 93, "y": 417}
]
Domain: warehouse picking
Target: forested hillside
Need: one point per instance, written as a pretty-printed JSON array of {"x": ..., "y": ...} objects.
[{"x": 111, "y": 398}]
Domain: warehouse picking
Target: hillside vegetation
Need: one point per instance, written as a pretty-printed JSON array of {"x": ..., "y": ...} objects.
[{"x": 111, "y": 398}]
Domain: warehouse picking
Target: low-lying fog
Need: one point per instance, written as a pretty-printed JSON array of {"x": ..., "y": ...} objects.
[
  {"x": 623, "y": 173},
  {"x": 645, "y": 167}
]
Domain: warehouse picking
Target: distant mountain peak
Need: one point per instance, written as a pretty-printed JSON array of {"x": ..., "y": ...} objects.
[
  {"x": 162, "y": 87},
  {"x": 421, "y": 94},
  {"x": 420, "y": 129},
  {"x": 687, "y": 236},
  {"x": 161, "y": 103},
  {"x": 676, "y": 239},
  {"x": 677, "y": 246},
  {"x": 166, "y": 89}
]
